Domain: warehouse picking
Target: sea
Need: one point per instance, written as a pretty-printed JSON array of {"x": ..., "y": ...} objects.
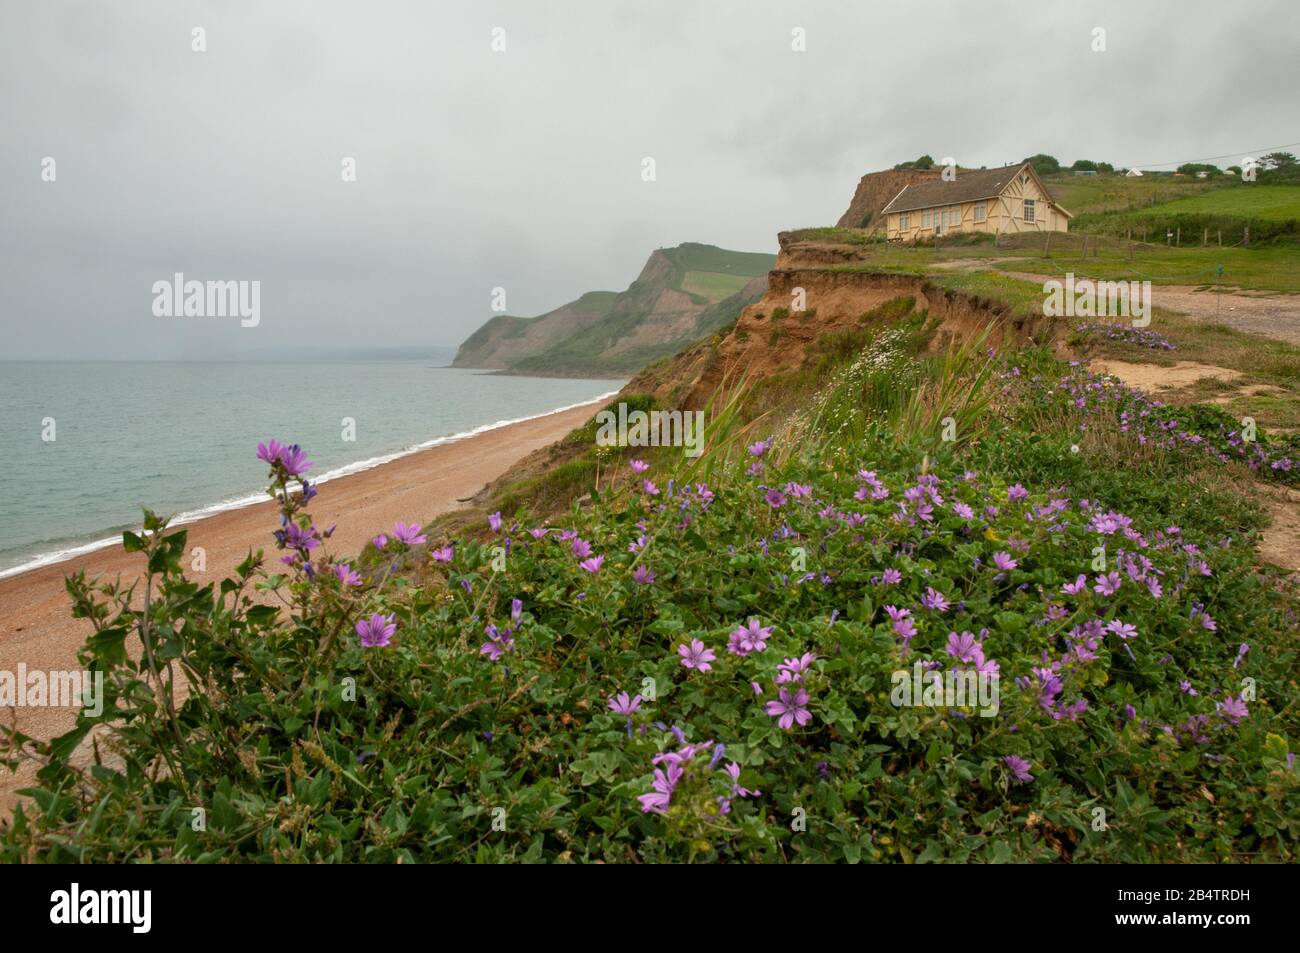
[{"x": 84, "y": 446}]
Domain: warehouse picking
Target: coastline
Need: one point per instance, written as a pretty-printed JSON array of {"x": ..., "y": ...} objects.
[
  {"x": 36, "y": 625},
  {"x": 186, "y": 517}
]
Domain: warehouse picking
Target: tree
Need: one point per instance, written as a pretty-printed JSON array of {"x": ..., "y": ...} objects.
[
  {"x": 924, "y": 162},
  {"x": 1278, "y": 160},
  {"x": 1083, "y": 165},
  {"x": 1191, "y": 168},
  {"x": 1044, "y": 164}
]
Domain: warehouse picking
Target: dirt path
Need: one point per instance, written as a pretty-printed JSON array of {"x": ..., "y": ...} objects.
[
  {"x": 1279, "y": 543},
  {"x": 1269, "y": 313}
]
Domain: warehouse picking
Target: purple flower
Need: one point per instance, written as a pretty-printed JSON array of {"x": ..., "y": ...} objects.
[
  {"x": 1019, "y": 769},
  {"x": 760, "y": 448},
  {"x": 775, "y": 498},
  {"x": 934, "y": 600},
  {"x": 494, "y": 522},
  {"x": 1186, "y": 687},
  {"x": 581, "y": 548},
  {"x": 294, "y": 460},
  {"x": 793, "y": 669},
  {"x": 1016, "y": 492},
  {"x": 639, "y": 466},
  {"x": 620, "y": 704},
  {"x": 592, "y": 565},
  {"x": 1233, "y": 708},
  {"x": 962, "y": 647},
  {"x": 1123, "y": 629},
  {"x": 891, "y": 577},
  {"x": 346, "y": 576},
  {"x": 442, "y": 555},
  {"x": 642, "y": 575},
  {"x": 1241, "y": 654},
  {"x": 789, "y": 708},
  {"x": 665, "y": 780},
  {"x": 408, "y": 534},
  {"x": 516, "y": 610},
  {"x": 649, "y": 488},
  {"x": 295, "y": 537},
  {"x": 1108, "y": 584},
  {"x": 733, "y": 770},
  {"x": 1074, "y": 588},
  {"x": 377, "y": 631},
  {"x": 380, "y": 541},
  {"x": 498, "y": 642},
  {"x": 1004, "y": 562},
  {"x": 749, "y": 638},
  {"x": 270, "y": 451},
  {"x": 696, "y": 655}
]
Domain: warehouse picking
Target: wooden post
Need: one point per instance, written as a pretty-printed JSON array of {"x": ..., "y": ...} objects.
[
  {"x": 1178, "y": 237},
  {"x": 1220, "y": 238},
  {"x": 1246, "y": 236},
  {"x": 1205, "y": 239}
]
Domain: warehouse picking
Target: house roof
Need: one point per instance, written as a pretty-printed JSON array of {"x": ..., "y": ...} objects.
[{"x": 969, "y": 186}]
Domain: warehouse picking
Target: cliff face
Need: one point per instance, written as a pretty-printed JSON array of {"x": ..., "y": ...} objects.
[
  {"x": 876, "y": 189},
  {"x": 769, "y": 338},
  {"x": 682, "y": 294}
]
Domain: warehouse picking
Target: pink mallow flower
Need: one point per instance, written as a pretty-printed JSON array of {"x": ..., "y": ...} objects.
[
  {"x": 377, "y": 631},
  {"x": 789, "y": 708},
  {"x": 749, "y": 638},
  {"x": 408, "y": 533},
  {"x": 1233, "y": 709},
  {"x": 620, "y": 704},
  {"x": 1108, "y": 584},
  {"x": 696, "y": 655}
]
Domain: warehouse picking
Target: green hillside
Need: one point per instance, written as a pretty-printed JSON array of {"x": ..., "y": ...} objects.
[
  {"x": 1272, "y": 202},
  {"x": 713, "y": 278}
]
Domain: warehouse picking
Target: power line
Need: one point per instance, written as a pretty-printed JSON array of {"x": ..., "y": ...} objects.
[{"x": 1230, "y": 155}]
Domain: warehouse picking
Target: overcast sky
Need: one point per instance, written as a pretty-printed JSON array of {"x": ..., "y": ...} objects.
[{"x": 522, "y": 169}]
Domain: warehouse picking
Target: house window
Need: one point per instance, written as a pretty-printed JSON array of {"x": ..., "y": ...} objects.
[
  {"x": 902, "y": 220},
  {"x": 1029, "y": 210},
  {"x": 927, "y": 219},
  {"x": 981, "y": 211}
]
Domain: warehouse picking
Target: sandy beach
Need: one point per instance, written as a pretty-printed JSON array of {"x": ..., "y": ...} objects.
[{"x": 36, "y": 626}]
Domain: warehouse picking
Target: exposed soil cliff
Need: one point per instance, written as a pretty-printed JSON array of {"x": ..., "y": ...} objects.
[
  {"x": 876, "y": 189},
  {"x": 770, "y": 337}
]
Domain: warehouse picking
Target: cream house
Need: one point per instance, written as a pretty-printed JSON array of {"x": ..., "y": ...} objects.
[{"x": 999, "y": 201}]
